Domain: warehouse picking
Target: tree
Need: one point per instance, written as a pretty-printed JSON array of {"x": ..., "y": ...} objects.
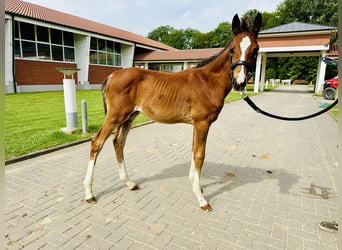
[
  {"x": 161, "y": 34},
  {"x": 322, "y": 12},
  {"x": 220, "y": 36},
  {"x": 192, "y": 38}
]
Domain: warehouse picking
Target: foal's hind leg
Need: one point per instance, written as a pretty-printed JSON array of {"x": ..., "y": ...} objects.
[
  {"x": 119, "y": 144},
  {"x": 96, "y": 146}
]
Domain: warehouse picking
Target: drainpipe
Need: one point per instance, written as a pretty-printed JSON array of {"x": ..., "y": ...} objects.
[{"x": 13, "y": 54}]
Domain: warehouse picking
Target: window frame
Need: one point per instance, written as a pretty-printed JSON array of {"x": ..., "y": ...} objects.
[
  {"x": 105, "y": 52},
  {"x": 39, "y": 43}
]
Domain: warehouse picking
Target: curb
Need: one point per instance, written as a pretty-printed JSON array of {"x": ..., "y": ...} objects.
[
  {"x": 319, "y": 101},
  {"x": 56, "y": 148}
]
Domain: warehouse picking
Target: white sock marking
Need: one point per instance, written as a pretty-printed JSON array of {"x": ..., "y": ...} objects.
[
  {"x": 195, "y": 181},
  {"x": 123, "y": 175},
  {"x": 88, "y": 181}
]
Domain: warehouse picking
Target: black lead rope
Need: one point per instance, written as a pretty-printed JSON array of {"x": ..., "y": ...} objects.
[{"x": 259, "y": 110}]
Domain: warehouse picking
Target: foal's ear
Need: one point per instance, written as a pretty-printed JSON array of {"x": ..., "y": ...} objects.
[
  {"x": 236, "y": 26},
  {"x": 257, "y": 24}
]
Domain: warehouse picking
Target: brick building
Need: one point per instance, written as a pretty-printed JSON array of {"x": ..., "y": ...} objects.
[{"x": 38, "y": 40}]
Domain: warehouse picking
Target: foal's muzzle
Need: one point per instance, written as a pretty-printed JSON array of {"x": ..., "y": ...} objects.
[{"x": 239, "y": 86}]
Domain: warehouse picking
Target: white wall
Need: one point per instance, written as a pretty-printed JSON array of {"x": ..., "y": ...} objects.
[
  {"x": 82, "y": 45},
  {"x": 9, "y": 84}
]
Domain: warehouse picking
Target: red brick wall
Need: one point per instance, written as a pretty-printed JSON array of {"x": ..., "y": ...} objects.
[
  {"x": 98, "y": 73},
  {"x": 309, "y": 40},
  {"x": 29, "y": 72}
]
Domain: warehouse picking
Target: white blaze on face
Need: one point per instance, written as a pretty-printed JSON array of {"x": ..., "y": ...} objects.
[{"x": 245, "y": 43}]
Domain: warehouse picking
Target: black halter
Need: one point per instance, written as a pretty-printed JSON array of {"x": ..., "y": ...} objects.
[{"x": 240, "y": 62}]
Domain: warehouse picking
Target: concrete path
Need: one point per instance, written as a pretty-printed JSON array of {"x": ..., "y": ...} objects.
[{"x": 269, "y": 182}]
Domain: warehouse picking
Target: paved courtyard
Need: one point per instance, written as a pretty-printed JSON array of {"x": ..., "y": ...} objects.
[{"x": 269, "y": 182}]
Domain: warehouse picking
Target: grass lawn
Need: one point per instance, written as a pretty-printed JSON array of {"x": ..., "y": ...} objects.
[
  {"x": 334, "y": 111},
  {"x": 33, "y": 120}
]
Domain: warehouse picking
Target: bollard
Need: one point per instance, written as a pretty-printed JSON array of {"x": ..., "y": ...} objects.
[
  {"x": 69, "y": 89},
  {"x": 70, "y": 104},
  {"x": 84, "y": 117}
]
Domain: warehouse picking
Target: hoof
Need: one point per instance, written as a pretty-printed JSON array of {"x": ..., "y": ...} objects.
[
  {"x": 92, "y": 200},
  {"x": 135, "y": 188},
  {"x": 207, "y": 208}
]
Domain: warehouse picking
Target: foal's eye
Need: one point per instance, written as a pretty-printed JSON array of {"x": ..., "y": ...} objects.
[
  {"x": 232, "y": 51},
  {"x": 255, "y": 52}
]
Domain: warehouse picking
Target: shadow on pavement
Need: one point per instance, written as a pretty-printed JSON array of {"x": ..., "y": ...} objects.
[{"x": 226, "y": 177}]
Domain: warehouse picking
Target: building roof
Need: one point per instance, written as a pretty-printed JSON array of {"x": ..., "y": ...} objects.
[
  {"x": 297, "y": 27},
  {"x": 178, "y": 55},
  {"x": 37, "y": 12}
]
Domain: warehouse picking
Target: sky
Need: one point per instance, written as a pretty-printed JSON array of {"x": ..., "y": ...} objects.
[{"x": 142, "y": 16}]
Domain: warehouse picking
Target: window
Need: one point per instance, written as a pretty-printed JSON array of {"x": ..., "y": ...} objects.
[
  {"x": 56, "y": 36},
  {"x": 57, "y": 53},
  {"x": 44, "y": 51},
  {"x": 27, "y": 31},
  {"x": 29, "y": 49},
  {"x": 42, "y": 43},
  {"x": 105, "y": 52},
  {"x": 42, "y": 34},
  {"x": 168, "y": 67}
]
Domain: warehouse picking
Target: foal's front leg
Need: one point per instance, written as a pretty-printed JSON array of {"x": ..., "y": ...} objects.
[
  {"x": 96, "y": 146},
  {"x": 198, "y": 155}
]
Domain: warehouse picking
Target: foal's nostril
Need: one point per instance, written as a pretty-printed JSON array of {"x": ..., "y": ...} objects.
[{"x": 239, "y": 86}]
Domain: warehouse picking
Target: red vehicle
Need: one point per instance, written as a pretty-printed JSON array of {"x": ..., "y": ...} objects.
[{"x": 329, "y": 88}]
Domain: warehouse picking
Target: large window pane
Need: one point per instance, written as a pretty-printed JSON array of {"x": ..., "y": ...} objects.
[
  {"x": 110, "y": 59},
  {"x": 68, "y": 38},
  {"x": 56, "y": 36},
  {"x": 42, "y": 34},
  {"x": 93, "y": 57},
  {"x": 117, "y": 60},
  {"x": 16, "y": 29},
  {"x": 102, "y": 44},
  {"x": 17, "y": 48},
  {"x": 57, "y": 53},
  {"x": 69, "y": 54},
  {"x": 29, "y": 49},
  {"x": 44, "y": 51},
  {"x": 102, "y": 58},
  {"x": 93, "y": 43},
  {"x": 110, "y": 46},
  {"x": 118, "y": 48},
  {"x": 27, "y": 31}
]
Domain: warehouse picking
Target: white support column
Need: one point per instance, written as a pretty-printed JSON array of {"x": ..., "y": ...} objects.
[
  {"x": 9, "y": 83},
  {"x": 127, "y": 55},
  {"x": 263, "y": 72},
  {"x": 82, "y": 45},
  {"x": 257, "y": 74},
  {"x": 320, "y": 75},
  {"x": 185, "y": 66}
]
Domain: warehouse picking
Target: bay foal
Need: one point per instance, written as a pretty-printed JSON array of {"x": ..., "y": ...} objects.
[{"x": 194, "y": 96}]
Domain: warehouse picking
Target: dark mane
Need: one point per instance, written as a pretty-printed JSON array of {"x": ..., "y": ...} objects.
[{"x": 212, "y": 58}]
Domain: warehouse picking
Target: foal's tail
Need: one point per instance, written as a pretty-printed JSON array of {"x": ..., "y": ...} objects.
[{"x": 103, "y": 89}]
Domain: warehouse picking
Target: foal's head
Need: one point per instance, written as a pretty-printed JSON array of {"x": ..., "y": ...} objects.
[{"x": 243, "y": 50}]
